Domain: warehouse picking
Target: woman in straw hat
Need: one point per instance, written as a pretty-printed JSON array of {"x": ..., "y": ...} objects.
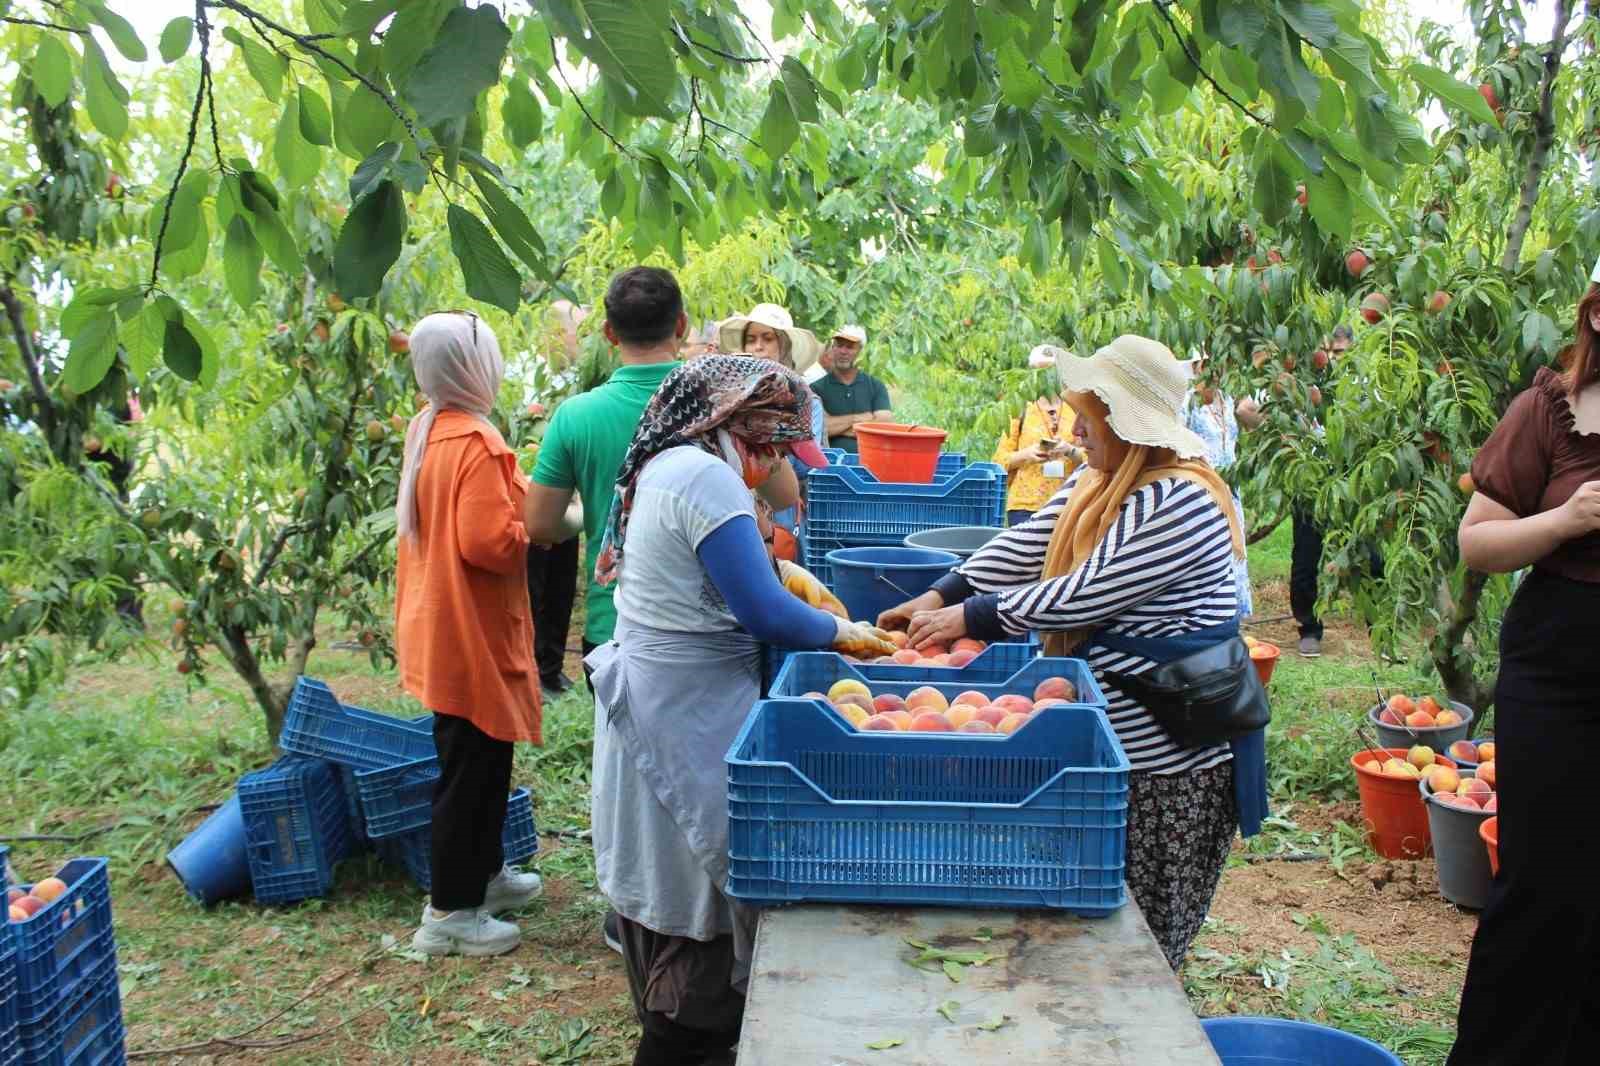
[
  {"x": 1130, "y": 565},
  {"x": 463, "y": 628}
]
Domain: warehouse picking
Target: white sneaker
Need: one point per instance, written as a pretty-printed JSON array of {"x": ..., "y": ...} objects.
[
  {"x": 470, "y": 932},
  {"x": 510, "y": 890}
]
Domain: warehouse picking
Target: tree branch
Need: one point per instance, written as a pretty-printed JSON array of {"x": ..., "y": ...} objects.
[
  {"x": 624, "y": 149},
  {"x": 1194, "y": 61},
  {"x": 17, "y": 20},
  {"x": 1544, "y": 139},
  {"x": 690, "y": 42},
  {"x": 203, "y": 28},
  {"x": 188, "y": 149},
  {"x": 276, "y": 549},
  {"x": 745, "y": 20},
  {"x": 45, "y": 411},
  {"x": 1263, "y": 532}
]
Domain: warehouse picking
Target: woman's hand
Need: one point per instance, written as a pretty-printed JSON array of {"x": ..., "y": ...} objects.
[
  {"x": 944, "y": 625},
  {"x": 1033, "y": 453},
  {"x": 900, "y": 617},
  {"x": 1582, "y": 509}
]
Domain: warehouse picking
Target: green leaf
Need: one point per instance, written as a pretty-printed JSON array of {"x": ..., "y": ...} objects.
[
  {"x": 462, "y": 62},
  {"x": 120, "y": 32},
  {"x": 276, "y": 240},
  {"x": 1328, "y": 200},
  {"x": 778, "y": 129},
  {"x": 180, "y": 350},
  {"x": 1036, "y": 246},
  {"x": 323, "y": 16},
  {"x": 953, "y": 971},
  {"x": 89, "y": 303},
  {"x": 886, "y": 1043},
  {"x": 796, "y": 80},
  {"x": 512, "y": 224},
  {"x": 104, "y": 96},
  {"x": 316, "y": 122},
  {"x": 1457, "y": 94},
  {"x": 994, "y": 1022},
  {"x": 630, "y": 49},
  {"x": 52, "y": 70},
  {"x": 370, "y": 241},
  {"x": 1240, "y": 24},
  {"x": 373, "y": 169},
  {"x": 1020, "y": 85},
  {"x": 241, "y": 262},
  {"x": 850, "y": 66},
  {"x": 415, "y": 27},
  {"x": 361, "y": 17},
  {"x": 175, "y": 39},
  {"x": 141, "y": 338},
  {"x": 1351, "y": 59},
  {"x": 613, "y": 194},
  {"x": 488, "y": 273},
  {"x": 184, "y": 222},
  {"x": 298, "y": 161},
  {"x": 367, "y": 121},
  {"x": 1274, "y": 185},
  {"x": 948, "y": 1009},
  {"x": 266, "y": 66},
  {"x": 1310, "y": 20},
  {"x": 93, "y": 350},
  {"x": 521, "y": 114}
]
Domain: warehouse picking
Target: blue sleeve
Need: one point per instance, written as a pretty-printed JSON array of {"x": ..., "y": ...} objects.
[{"x": 737, "y": 563}]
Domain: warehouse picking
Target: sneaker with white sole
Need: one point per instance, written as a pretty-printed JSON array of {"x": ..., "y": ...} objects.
[
  {"x": 510, "y": 890},
  {"x": 1310, "y": 647},
  {"x": 475, "y": 933}
]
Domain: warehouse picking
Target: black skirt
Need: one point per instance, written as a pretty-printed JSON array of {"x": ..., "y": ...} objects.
[{"x": 1532, "y": 995}]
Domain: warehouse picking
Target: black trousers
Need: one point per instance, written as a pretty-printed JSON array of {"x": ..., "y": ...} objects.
[
  {"x": 681, "y": 991},
  {"x": 1532, "y": 996},
  {"x": 469, "y": 812},
  {"x": 1304, "y": 561},
  {"x": 552, "y": 588}
]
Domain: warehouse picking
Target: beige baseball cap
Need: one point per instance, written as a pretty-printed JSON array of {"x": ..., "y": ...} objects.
[{"x": 852, "y": 333}]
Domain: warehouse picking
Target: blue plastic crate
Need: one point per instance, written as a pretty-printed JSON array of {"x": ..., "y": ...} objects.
[
  {"x": 398, "y": 798},
  {"x": 66, "y": 943},
  {"x": 10, "y": 1038},
  {"x": 413, "y": 851},
  {"x": 816, "y": 671},
  {"x": 318, "y": 725},
  {"x": 993, "y": 665},
  {"x": 818, "y": 811},
  {"x": 86, "y": 1030},
  {"x": 297, "y": 827},
  {"x": 949, "y": 462}
]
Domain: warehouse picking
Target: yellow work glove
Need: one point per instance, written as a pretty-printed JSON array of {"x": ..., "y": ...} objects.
[
  {"x": 800, "y": 582},
  {"x": 861, "y": 640}
]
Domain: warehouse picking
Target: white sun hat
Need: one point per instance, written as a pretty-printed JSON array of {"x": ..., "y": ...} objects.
[
  {"x": 1595, "y": 277},
  {"x": 1144, "y": 386},
  {"x": 1045, "y": 355},
  {"x": 851, "y": 332},
  {"x": 804, "y": 347}
]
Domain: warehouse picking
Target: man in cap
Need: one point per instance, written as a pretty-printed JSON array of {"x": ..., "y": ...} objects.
[{"x": 849, "y": 394}]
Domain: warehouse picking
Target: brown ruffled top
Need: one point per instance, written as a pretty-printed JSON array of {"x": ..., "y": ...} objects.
[{"x": 1535, "y": 460}]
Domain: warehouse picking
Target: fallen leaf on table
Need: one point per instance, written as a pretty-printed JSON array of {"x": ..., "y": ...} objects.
[
  {"x": 948, "y": 1008},
  {"x": 994, "y": 1022},
  {"x": 983, "y": 935},
  {"x": 952, "y": 970},
  {"x": 885, "y": 1044}
]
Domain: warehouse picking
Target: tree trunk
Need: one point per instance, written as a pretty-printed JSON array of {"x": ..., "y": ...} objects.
[
  {"x": 1452, "y": 658},
  {"x": 272, "y": 699},
  {"x": 1263, "y": 532}
]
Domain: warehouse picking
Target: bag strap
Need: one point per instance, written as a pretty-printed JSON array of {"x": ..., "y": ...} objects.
[{"x": 1164, "y": 649}]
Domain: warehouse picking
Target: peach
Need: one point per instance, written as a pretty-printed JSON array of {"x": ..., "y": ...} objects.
[
  {"x": 1487, "y": 773},
  {"x": 878, "y": 723},
  {"x": 994, "y": 714},
  {"x": 814, "y": 696},
  {"x": 962, "y": 658},
  {"x": 1463, "y": 751},
  {"x": 31, "y": 905},
  {"x": 960, "y": 714},
  {"x": 17, "y": 914},
  {"x": 901, "y": 719},
  {"x": 1486, "y": 751},
  {"x": 1470, "y": 785},
  {"x": 1449, "y": 799},
  {"x": 1012, "y": 722},
  {"x": 906, "y": 657},
  {"x": 933, "y": 648},
  {"x": 1401, "y": 705},
  {"x": 968, "y": 644},
  {"x": 848, "y": 684},
  {"x": 1399, "y": 768},
  {"x": 1492, "y": 804},
  {"x": 1468, "y": 803},
  {"x": 938, "y": 660},
  {"x": 899, "y": 639},
  {"x": 1420, "y": 756},
  {"x": 975, "y": 726},
  {"x": 971, "y": 697},
  {"x": 853, "y": 714},
  {"x": 1388, "y": 717},
  {"x": 1429, "y": 704},
  {"x": 1442, "y": 778},
  {"x": 888, "y": 702},
  {"x": 1370, "y": 763},
  {"x": 14, "y": 894},
  {"x": 1419, "y": 720},
  {"x": 1054, "y": 688},
  {"x": 1019, "y": 704},
  {"x": 928, "y": 699},
  {"x": 855, "y": 699},
  {"x": 1447, "y": 717},
  {"x": 1037, "y": 707},
  {"x": 931, "y": 722}
]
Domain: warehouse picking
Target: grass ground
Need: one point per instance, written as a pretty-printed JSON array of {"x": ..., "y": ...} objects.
[{"x": 1307, "y": 923}]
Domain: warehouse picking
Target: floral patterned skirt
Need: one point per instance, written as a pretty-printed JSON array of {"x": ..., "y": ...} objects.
[{"x": 1180, "y": 828}]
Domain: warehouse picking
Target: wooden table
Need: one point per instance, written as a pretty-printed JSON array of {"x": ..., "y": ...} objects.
[{"x": 827, "y": 980}]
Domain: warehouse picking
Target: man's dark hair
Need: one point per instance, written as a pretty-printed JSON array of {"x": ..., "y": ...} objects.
[
  {"x": 1342, "y": 332},
  {"x": 643, "y": 304}
]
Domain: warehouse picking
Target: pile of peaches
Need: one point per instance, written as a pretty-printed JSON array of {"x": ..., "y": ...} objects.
[
  {"x": 1425, "y": 713},
  {"x": 22, "y": 906},
  {"x": 1448, "y": 785},
  {"x": 927, "y": 710},
  {"x": 959, "y": 653}
]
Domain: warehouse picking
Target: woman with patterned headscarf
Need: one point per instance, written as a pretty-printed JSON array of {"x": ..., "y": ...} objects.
[{"x": 696, "y": 593}]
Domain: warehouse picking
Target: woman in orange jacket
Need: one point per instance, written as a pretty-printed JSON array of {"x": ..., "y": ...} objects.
[{"x": 464, "y": 630}]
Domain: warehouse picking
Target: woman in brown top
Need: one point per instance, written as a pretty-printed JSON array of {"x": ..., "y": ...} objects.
[{"x": 1533, "y": 986}]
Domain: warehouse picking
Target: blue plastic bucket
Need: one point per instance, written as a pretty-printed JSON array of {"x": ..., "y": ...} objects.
[
  {"x": 869, "y": 581},
  {"x": 1282, "y": 1042},
  {"x": 212, "y": 862}
]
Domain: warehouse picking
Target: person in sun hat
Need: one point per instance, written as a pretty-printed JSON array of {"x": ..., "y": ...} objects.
[
  {"x": 1129, "y": 566},
  {"x": 1536, "y": 504},
  {"x": 464, "y": 628},
  {"x": 849, "y": 394},
  {"x": 696, "y": 591}
]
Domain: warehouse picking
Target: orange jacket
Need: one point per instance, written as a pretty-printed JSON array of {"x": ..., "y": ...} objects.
[{"x": 463, "y": 627}]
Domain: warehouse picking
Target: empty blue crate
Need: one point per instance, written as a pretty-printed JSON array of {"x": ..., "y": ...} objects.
[
  {"x": 65, "y": 946},
  {"x": 297, "y": 827},
  {"x": 413, "y": 851},
  {"x": 397, "y": 799},
  {"x": 817, "y": 671},
  {"x": 319, "y": 726},
  {"x": 85, "y": 1030},
  {"x": 820, "y": 812}
]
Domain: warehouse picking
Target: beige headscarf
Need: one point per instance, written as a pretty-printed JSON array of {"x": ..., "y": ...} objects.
[{"x": 456, "y": 359}]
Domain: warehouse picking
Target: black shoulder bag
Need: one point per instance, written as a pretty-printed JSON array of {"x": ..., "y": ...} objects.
[{"x": 1205, "y": 697}]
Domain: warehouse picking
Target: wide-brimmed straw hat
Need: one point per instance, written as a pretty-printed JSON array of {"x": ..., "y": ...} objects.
[
  {"x": 1144, "y": 386},
  {"x": 804, "y": 348}
]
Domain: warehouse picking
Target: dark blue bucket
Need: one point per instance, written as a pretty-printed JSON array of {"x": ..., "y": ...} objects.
[
  {"x": 1282, "y": 1042},
  {"x": 211, "y": 862},
  {"x": 869, "y": 581}
]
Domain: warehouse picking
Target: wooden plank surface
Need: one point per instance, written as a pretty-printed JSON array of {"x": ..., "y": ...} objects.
[{"x": 827, "y": 980}]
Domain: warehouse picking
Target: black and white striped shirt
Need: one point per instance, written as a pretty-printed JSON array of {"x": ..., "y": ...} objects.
[{"x": 1165, "y": 568}]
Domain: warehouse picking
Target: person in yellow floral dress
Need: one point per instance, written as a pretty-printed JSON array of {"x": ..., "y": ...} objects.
[{"x": 1036, "y": 456}]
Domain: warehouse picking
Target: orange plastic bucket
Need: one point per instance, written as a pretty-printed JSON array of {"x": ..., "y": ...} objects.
[
  {"x": 1392, "y": 808},
  {"x": 1264, "y": 657},
  {"x": 1490, "y": 832},
  {"x": 894, "y": 452}
]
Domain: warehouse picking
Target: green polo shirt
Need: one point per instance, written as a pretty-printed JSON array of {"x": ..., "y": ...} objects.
[
  {"x": 865, "y": 393},
  {"x": 583, "y": 449}
]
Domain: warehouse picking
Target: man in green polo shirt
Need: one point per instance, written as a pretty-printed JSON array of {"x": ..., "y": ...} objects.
[
  {"x": 589, "y": 434},
  {"x": 849, "y": 394}
]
